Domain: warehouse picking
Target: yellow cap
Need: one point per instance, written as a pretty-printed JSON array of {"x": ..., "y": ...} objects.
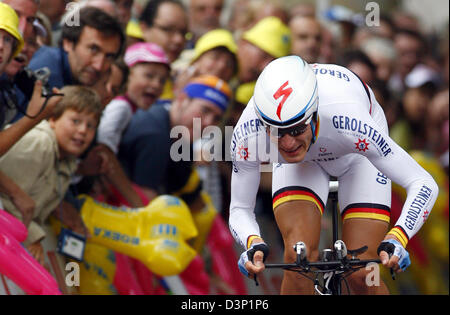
[
  {"x": 271, "y": 35},
  {"x": 213, "y": 39},
  {"x": 134, "y": 30},
  {"x": 244, "y": 92},
  {"x": 9, "y": 21}
]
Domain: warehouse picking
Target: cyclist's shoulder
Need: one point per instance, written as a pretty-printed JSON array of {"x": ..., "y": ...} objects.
[
  {"x": 337, "y": 84},
  {"x": 328, "y": 68},
  {"x": 341, "y": 108},
  {"x": 248, "y": 112},
  {"x": 248, "y": 126}
]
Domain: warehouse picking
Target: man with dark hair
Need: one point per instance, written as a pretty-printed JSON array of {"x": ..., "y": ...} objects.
[
  {"x": 164, "y": 22},
  {"x": 87, "y": 50},
  {"x": 91, "y": 41}
]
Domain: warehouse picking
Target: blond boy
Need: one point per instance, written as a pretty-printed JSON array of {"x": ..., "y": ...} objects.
[{"x": 42, "y": 162}]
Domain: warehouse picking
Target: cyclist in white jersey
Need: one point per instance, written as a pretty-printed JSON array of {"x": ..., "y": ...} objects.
[{"x": 312, "y": 122}]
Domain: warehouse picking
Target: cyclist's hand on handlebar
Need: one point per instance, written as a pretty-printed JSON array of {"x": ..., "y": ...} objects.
[
  {"x": 393, "y": 255},
  {"x": 252, "y": 260}
]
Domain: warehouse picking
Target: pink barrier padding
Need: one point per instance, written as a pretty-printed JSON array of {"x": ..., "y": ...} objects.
[
  {"x": 18, "y": 265},
  {"x": 224, "y": 258},
  {"x": 194, "y": 277},
  {"x": 148, "y": 281},
  {"x": 13, "y": 226},
  {"x": 125, "y": 279},
  {"x": 141, "y": 194},
  {"x": 118, "y": 200}
]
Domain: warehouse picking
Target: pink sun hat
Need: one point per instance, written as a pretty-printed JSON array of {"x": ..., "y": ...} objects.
[{"x": 147, "y": 53}]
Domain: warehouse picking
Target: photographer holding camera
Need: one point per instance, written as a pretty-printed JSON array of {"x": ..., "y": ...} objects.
[
  {"x": 11, "y": 44},
  {"x": 15, "y": 53}
]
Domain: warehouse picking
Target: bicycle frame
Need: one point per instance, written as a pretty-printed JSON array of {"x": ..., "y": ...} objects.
[{"x": 335, "y": 267}]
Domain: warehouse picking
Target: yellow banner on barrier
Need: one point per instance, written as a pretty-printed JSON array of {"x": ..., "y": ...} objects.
[{"x": 156, "y": 234}]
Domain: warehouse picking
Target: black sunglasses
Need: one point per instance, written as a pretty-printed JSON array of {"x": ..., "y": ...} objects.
[{"x": 292, "y": 131}]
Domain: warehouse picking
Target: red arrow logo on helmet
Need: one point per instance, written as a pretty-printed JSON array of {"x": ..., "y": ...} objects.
[{"x": 282, "y": 92}]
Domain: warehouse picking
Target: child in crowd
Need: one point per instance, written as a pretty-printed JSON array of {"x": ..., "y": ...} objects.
[
  {"x": 11, "y": 42},
  {"x": 42, "y": 162},
  {"x": 149, "y": 69},
  {"x": 213, "y": 54}
]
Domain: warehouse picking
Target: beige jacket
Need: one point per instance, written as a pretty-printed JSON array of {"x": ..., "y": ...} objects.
[{"x": 33, "y": 164}]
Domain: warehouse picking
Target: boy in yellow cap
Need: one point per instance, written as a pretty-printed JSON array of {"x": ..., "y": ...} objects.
[
  {"x": 215, "y": 53},
  {"x": 268, "y": 39},
  {"x": 11, "y": 41}
]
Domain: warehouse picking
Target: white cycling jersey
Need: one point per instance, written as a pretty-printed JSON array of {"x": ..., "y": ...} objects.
[{"x": 352, "y": 144}]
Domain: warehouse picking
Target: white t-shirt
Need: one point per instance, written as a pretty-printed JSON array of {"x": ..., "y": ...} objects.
[{"x": 115, "y": 118}]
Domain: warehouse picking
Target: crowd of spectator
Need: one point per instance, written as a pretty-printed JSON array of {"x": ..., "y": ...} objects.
[{"x": 123, "y": 73}]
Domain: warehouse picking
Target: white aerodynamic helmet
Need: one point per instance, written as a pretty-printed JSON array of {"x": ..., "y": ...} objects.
[{"x": 286, "y": 93}]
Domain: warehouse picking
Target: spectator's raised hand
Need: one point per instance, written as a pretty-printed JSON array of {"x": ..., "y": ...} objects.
[
  {"x": 97, "y": 162},
  {"x": 35, "y": 109}
]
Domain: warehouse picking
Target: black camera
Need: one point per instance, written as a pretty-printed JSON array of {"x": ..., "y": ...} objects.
[
  {"x": 26, "y": 79},
  {"x": 43, "y": 75}
]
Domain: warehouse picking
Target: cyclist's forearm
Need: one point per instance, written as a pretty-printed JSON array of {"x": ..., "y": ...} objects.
[
  {"x": 421, "y": 189},
  {"x": 421, "y": 197},
  {"x": 243, "y": 225},
  {"x": 244, "y": 188}
]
